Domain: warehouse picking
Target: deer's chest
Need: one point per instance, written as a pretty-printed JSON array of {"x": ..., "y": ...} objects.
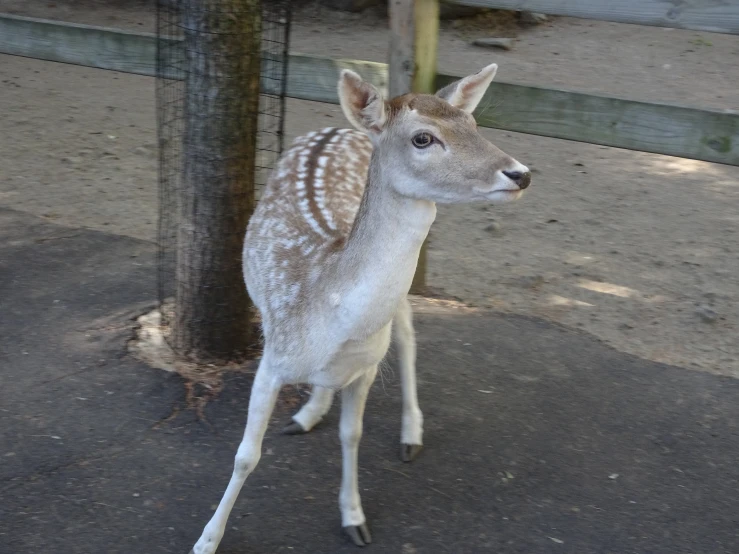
[{"x": 352, "y": 358}]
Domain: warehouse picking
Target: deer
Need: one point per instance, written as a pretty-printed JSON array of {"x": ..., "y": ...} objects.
[{"x": 329, "y": 257}]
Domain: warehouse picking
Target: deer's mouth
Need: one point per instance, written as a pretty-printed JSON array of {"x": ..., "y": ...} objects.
[{"x": 504, "y": 195}]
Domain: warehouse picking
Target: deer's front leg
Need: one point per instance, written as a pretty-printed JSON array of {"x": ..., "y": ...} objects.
[
  {"x": 353, "y": 400},
  {"x": 261, "y": 403},
  {"x": 411, "y": 433}
]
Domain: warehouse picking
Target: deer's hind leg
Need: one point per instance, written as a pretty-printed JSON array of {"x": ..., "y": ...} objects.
[
  {"x": 312, "y": 412},
  {"x": 411, "y": 432}
]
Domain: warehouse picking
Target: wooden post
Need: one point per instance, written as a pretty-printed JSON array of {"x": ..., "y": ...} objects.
[
  {"x": 414, "y": 37},
  {"x": 222, "y": 60}
]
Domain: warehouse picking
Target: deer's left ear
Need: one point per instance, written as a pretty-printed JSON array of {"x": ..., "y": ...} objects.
[
  {"x": 466, "y": 93},
  {"x": 361, "y": 103}
]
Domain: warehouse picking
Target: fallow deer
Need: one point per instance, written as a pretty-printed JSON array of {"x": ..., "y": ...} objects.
[{"x": 330, "y": 254}]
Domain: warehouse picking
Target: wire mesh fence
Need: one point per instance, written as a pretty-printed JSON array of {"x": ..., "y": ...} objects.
[{"x": 221, "y": 83}]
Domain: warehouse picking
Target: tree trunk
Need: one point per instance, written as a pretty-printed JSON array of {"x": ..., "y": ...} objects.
[
  {"x": 222, "y": 61},
  {"x": 414, "y": 34}
]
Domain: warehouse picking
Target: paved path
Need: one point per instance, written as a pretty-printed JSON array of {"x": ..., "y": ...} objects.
[{"x": 539, "y": 439}]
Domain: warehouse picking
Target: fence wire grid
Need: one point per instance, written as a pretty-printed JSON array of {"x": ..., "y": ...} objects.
[{"x": 205, "y": 63}]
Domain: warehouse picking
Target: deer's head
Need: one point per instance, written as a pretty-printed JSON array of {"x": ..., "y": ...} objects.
[{"x": 430, "y": 144}]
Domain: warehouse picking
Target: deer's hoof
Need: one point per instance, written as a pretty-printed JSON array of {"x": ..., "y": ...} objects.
[
  {"x": 359, "y": 534},
  {"x": 294, "y": 428},
  {"x": 409, "y": 452}
]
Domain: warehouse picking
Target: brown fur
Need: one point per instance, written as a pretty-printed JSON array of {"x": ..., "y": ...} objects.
[{"x": 426, "y": 105}]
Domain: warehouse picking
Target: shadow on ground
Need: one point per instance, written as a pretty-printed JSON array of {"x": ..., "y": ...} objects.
[{"x": 538, "y": 439}]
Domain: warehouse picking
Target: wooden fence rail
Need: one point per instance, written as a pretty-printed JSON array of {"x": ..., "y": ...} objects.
[
  {"x": 717, "y": 16},
  {"x": 709, "y": 135}
]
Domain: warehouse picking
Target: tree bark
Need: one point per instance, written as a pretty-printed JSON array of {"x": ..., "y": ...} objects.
[{"x": 213, "y": 313}]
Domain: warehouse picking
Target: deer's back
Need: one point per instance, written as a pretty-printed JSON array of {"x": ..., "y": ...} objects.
[{"x": 307, "y": 208}]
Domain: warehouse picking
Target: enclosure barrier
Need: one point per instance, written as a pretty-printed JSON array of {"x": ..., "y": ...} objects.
[
  {"x": 702, "y": 134},
  {"x": 218, "y": 139},
  {"x": 715, "y": 16}
]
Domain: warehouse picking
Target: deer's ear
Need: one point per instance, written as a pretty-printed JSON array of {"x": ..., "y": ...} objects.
[
  {"x": 466, "y": 93},
  {"x": 362, "y": 103}
]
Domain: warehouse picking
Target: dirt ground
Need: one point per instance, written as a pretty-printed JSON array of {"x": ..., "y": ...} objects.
[{"x": 637, "y": 249}]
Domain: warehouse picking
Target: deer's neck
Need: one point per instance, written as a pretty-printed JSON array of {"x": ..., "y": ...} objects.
[{"x": 374, "y": 270}]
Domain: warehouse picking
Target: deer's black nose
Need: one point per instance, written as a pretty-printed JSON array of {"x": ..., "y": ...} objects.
[{"x": 523, "y": 180}]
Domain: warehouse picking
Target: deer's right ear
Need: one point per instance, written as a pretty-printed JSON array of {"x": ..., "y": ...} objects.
[
  {"x": 362, "y": 103},
  {"x": 466, "y": 93}
]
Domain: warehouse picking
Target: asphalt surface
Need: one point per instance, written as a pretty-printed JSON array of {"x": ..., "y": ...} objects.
[{"x": 538, "y": 439}]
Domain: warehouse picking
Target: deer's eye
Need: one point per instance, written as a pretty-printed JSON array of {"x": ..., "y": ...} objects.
[{"x": 422, "y": 140}]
